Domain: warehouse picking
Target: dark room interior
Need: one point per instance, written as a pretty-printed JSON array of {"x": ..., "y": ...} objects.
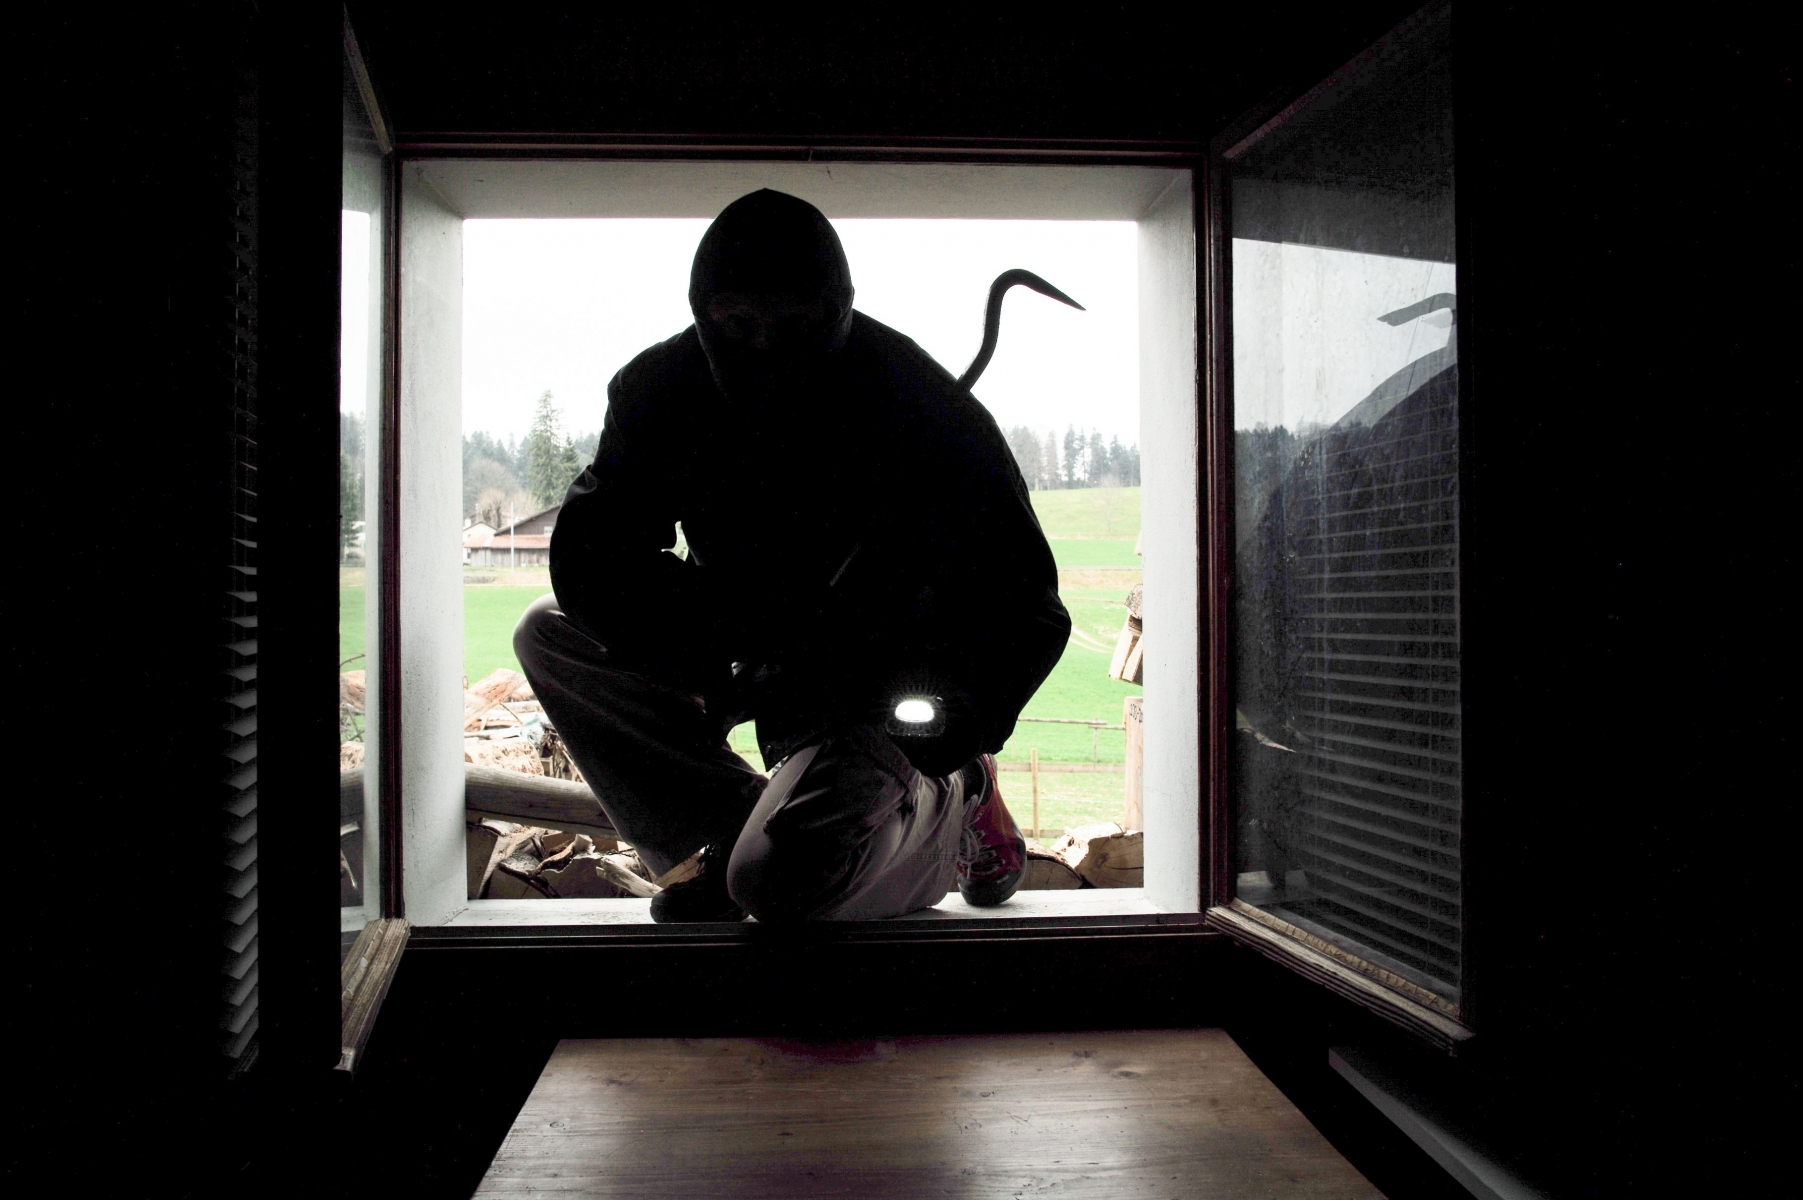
[{"x": 1624, "y": 382}]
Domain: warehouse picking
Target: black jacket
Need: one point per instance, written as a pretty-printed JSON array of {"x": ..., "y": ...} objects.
[{"x": 886, "y": 476}]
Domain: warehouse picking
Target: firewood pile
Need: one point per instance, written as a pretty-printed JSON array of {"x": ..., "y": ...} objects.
[
  {"x": 1129, "y": 662},
  {"x": 523, "y": 862},
  {"x": 1098, "y": 856},
  {"x": 505, "y": 726}
]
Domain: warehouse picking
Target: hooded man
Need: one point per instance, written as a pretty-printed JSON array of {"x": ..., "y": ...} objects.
[{"x": 865, "y": 579}]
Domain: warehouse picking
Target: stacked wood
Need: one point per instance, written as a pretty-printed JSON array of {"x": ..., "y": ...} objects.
[
  {"x": 509, "y": 754},
  {"x": 350, "y": 756},
  {"x": 490, "y": 842},
  {"x": 1129, "y": 662},
  {"x": 554, "y": 758},
  {"x": 521, "y": 862},
  {"x": 497, "y": 687},
  {"x": 1047, "y": 872},
  {"x": 1104, "y": 855},
  {"x": 514, "y": 877},
  {"x": 589, "y": 877},
  {"x": 351, "y": 690},
  {"x": 1133, "y": 719}
]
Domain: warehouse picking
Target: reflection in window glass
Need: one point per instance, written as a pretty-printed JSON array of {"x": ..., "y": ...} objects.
[
  {"x": 1346, "y": 767},
  {"x": 360, "y": 371}
]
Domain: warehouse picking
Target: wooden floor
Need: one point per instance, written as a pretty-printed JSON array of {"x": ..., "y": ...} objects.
[{"x": 1119, "y": 1114}]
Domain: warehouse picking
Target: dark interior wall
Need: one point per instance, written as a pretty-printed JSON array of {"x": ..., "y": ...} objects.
[
  {"x": 1623, "y": 260},
  {"x": 1622, "y": 542},
  {"x": 118, "y": 410},
  {"x": 1113, "y": 71}
]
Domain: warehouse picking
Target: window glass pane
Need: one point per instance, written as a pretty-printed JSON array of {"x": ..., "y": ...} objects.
[
  {"x": 359, "y": 396},
  {"x": 1346, "y": 769}
]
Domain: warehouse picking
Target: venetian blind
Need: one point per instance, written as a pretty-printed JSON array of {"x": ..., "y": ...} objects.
[{"x": 238, "y": 1019}]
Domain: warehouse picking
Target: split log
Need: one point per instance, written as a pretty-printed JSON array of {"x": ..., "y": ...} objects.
[
  {"x": 1128, "y": 663},
  {"x": 351, "y": 690},
  {"x": 682, "y": 872},
  {"x": 1047, "y": 872},
  {"x": 513, "y": 754},
  {"x": 514, "y": 877},
  {"x": 479, "y": 841},
  {"x": 1134, "y": 669},
  {"x": 1104, "y": 855},
  {"x": 1133, "y": 717},
  {"x": 582, "y": 877},
  {"x": 492, "y": 689},
  {"x": 619, "y": 869}
]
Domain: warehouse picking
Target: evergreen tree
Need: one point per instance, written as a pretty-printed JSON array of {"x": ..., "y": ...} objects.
[
  {"x": 350, "y": 479},
  {"x": 1073, "y": 457},
  {"x": 350, "y": 502},
  {"x": 1025, "y": 444},
  {"x": 1048, "y": 461},
  {"x": 1095, "y": 466},
  {"x": 569, "y": 465},
  {"x": 485, "y": 445},
  {"x": 550, "y": 458}
]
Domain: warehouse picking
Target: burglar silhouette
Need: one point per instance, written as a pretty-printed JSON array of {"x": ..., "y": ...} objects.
[{"x": 865, "y": 579}]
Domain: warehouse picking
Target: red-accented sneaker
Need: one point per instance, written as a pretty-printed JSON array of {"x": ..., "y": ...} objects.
[{"x": 992, "y": 854}]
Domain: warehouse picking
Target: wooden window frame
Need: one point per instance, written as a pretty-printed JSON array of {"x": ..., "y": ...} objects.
[{"x": 1391, "y": 997}]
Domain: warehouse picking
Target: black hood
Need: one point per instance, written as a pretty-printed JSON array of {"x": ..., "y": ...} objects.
[{"x": 769, "y": 241}]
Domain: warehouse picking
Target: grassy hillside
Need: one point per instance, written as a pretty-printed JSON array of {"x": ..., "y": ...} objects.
[{"x": 1089, "y": 513}]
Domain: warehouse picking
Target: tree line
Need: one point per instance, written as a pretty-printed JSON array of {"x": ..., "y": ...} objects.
[
  {"x": 504, "y": 481},
  {"x": 1083, "y": 460}
]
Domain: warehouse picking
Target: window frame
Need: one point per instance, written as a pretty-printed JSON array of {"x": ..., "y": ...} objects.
[
  {"x": 1295, "y": 949},
  {"x": 409, "y": 156}
]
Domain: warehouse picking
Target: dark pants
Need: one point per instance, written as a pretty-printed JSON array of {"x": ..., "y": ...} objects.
[{"x": 846, "y": 829}]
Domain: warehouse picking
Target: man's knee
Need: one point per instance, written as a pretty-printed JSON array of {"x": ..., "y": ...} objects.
[
  {"x": 532, "y": 631},
  {"x": 777, "y": 884}
]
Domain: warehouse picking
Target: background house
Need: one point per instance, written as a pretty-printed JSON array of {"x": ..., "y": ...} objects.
[
  {"x": 525, "y": 542},
  {"x": 1620, "y": 185}
]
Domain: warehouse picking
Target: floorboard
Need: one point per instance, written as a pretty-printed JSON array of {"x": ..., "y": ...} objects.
[{"x": 1153, "y": 1113}]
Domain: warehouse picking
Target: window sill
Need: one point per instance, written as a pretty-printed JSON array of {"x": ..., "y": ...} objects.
[{"x": 1077, "y": 911}]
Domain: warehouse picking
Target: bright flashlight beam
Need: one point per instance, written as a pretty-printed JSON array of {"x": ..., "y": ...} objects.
[{"x": 914, "y": 712}]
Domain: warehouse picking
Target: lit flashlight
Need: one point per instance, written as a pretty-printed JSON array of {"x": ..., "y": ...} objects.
[
  {"x": 916, "y": 716},
  {"x": 915, "y": 711}
]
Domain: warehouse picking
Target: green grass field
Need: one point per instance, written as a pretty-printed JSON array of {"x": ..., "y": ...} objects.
[
  {"x": 1089, "y": 513},
  {"x": 1076, "y": 523}
]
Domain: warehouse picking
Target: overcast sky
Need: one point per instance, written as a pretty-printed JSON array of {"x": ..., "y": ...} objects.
[{"x": 562, "y": 305}]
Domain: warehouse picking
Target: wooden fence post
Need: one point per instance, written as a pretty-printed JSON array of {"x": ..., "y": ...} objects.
[
  {"x": 1133, "y": 716},
  {"x": 1033, "y": 766}
]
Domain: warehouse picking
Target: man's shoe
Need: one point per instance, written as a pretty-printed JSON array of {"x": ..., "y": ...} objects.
[
  {"x": 992, "y": 854},
  {"x": 702, "y": 896}
]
